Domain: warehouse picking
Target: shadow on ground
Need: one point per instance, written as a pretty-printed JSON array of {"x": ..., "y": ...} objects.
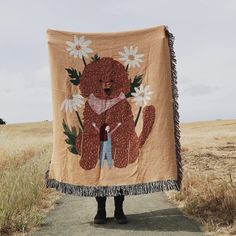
[
  {"x": 160, "y": 220},
  {"x": 149, "y": 214}
]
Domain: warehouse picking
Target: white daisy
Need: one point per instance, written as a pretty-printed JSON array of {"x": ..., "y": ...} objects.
[
  {"x": 72, "y": 104},
  {"x": 142, "y": 95},
  {"x": 79, "y": 47},
  {"x": 130, "y": 57}
]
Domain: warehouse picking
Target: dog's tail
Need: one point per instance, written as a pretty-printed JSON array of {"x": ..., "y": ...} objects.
[{"x": 148, "y": 121}]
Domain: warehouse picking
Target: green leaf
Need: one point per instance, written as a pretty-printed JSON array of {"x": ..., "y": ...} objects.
[
  {"x": 75, "y": 81},
  {"x": 134, "y": 84},
  {"x": 74, "y": 75},
  {"x": 68, "y": 141},
  {"x": 95, "y": 57},
  {"x": 71, "y": 137},
  {"x": 72, "y": 149},
  {"x": 65, "y": 126},
  {"x": 71, "y": 134},
  {"x": 74, "y": 131}
]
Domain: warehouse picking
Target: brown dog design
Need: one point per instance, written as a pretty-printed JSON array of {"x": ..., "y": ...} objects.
[{"x": 105, "y": 83}]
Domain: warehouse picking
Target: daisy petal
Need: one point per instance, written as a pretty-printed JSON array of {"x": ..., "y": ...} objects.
[
  {"x": 141, "y": 88},
  {"x": 88, "y": 50},
  {"x": 86, "y": 43},
  {"x": 81, "y": 40},
  {"x": 136, "y": 90},
  {"x": 134, "y": 94},
  {"x": 146, "y": 88},
  {"x": 62, "y": 105},
  {"x": 139, "y": 55},
  {"x": 71, "y": 44},
  {"x": 132, "y": 61}
]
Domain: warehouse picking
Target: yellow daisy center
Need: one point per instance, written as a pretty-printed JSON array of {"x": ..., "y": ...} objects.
[
  {"x": 142, "y": 94},
  {"x": 78, "y": 47},
  {"x": 131, "y": 57}
]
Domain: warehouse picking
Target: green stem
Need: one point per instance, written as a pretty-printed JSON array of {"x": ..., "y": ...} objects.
[
  {"x": 80, "y": 121},
  {"x": 136, "y": 120},
  {"x": 127, "y": 67},
  {"x": 84, "y": 61}
]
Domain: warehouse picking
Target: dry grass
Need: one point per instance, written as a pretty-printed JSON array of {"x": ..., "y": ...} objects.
[
  {"x": 25, "y": 153},
  {"x": 209, "y": 184}
]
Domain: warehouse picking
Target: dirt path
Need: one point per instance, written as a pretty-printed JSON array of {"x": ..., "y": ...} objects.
[{"x": 149, "y": 214}]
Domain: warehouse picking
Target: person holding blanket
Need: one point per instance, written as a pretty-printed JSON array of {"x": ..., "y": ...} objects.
[{"x": 105, "y": 140}]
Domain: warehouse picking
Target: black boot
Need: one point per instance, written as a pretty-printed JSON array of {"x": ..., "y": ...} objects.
[
  {"x": 119, "y": 215},
  {"x": 100, "y": 217}
]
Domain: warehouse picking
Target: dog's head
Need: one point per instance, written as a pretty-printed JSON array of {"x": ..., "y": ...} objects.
[{"x": 105, "y": 78}]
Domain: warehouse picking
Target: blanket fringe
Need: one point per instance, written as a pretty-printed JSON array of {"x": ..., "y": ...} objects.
[
  {"x": 92, "y": 191},
  {"x": 142, "y": 188},
  {"x": 175, "y": 96}
]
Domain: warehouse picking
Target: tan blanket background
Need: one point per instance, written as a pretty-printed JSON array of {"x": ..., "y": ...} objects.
[{"x": 146, "y": 157}]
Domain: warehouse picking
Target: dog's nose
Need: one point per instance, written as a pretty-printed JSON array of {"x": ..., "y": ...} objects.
[{"x": 107, "y": 84}]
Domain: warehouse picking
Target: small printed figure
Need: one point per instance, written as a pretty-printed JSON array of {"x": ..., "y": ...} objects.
[{"x": 105, "y": 143}]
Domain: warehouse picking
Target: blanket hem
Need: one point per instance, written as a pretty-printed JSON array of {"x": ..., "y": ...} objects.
[{"x": 92, "y": 191}]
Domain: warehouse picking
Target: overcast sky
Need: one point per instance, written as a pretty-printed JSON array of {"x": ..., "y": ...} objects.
[{"x": 205, "y": 38}]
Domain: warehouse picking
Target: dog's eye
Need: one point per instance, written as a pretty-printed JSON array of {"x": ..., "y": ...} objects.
[{"x": 100, "y": 80}]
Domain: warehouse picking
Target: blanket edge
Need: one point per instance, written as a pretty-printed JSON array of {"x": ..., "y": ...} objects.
[
  {"x": 175, "y": 96},
  {"x": 132, "y": 189}
]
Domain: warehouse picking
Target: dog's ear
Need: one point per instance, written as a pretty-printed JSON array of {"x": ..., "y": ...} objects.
[
  {"x": 85, "y": 82},
  {"x": 124, "y": 76},
  {"x": 84, "y": 91},
  {"x": 126, "y": 88}
]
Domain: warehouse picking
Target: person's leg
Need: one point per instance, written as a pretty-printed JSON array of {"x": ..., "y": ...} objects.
[
  {"x": 100, "y": 217},
  {"x": 109, "y": 157},
  {"x": 102, "y": 154},
  {"x": 109, "y": 154},
  {"x": 119, "y": 213}
]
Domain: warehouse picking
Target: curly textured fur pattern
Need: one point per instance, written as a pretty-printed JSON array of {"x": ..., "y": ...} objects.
[{"x": 125, "y": 142}]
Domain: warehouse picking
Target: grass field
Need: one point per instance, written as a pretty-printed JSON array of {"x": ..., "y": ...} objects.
[
  {"x": 25, "y": 150},
  {"x": 209, "y": 185}
]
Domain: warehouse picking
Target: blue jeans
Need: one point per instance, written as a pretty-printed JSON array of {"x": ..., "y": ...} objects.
[{"x": 106, "y": 150}]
